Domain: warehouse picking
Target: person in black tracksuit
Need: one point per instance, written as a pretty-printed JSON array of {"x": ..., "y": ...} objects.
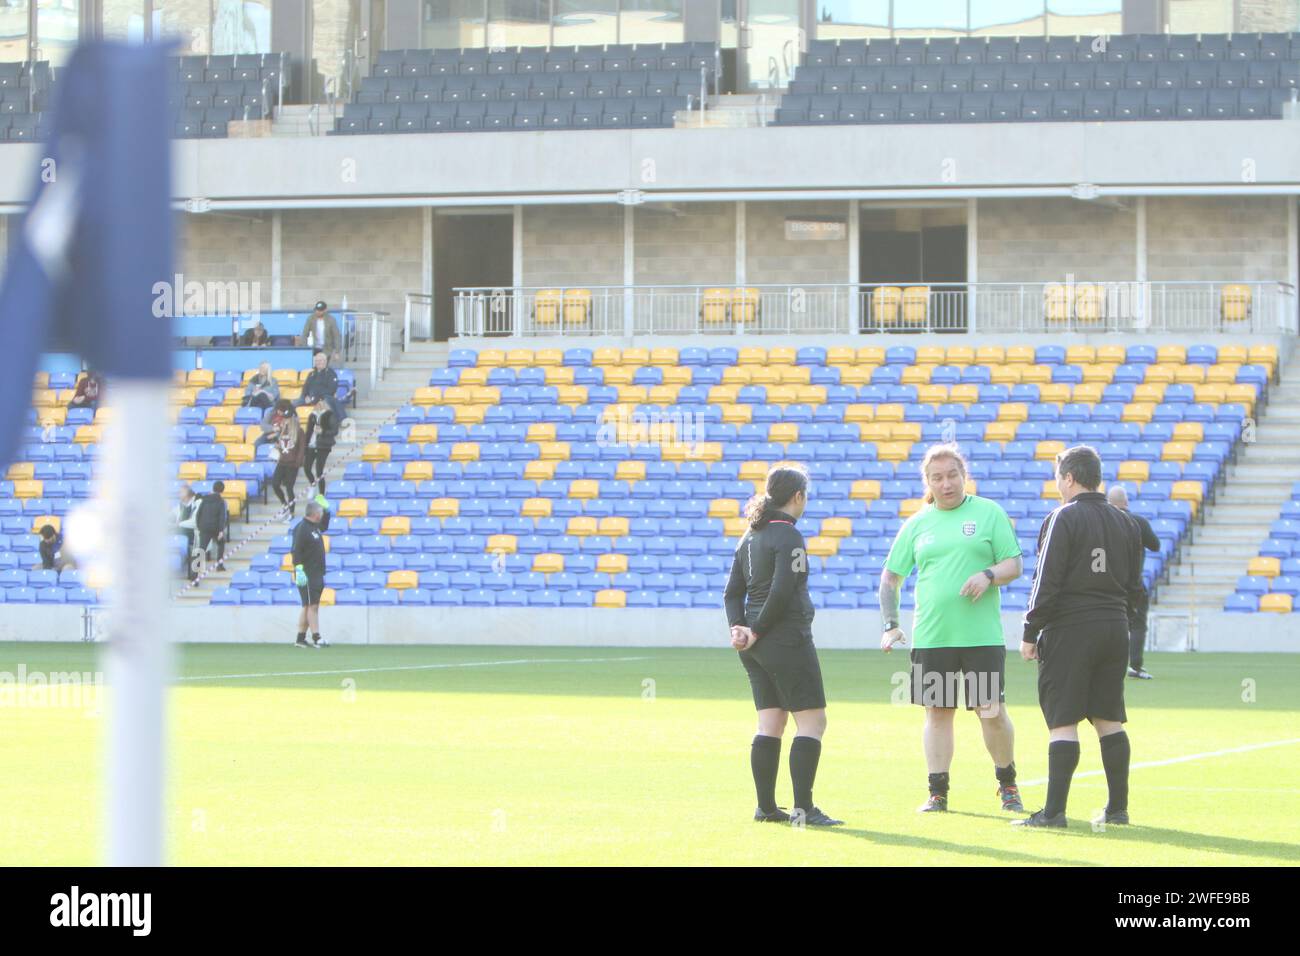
[
  {"x": 1086, "y": 586},
  {"x": 1137, "y": 627},
  {"x": 212, "y": 521},
  {"x": 309, "y": 570},
  {"x": 322, "y": 432},
  {"x": 771, "y": 614}
]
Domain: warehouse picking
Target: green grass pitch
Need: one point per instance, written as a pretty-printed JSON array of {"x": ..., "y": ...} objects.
[{"x": 509, "y": 755}]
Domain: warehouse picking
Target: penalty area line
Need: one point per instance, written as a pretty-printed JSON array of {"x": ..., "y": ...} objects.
[
  {"x": 1175, "y": 760},
  {"x": 412, "y": 667}
]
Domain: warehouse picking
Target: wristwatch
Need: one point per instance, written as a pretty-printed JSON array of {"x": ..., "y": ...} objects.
[
  {"x": 889, "y": 626},
  {"x": 989, "y": 574}
]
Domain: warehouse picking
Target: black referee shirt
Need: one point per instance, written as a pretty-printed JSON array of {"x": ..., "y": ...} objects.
[
  {"x": 309, "y": 546},
  {"x": 768, "y": 588},
  {"x": 1089, "y": 566}
]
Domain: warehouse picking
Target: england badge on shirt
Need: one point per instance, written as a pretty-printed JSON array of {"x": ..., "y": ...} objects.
[{"x": 968, "y": 529}]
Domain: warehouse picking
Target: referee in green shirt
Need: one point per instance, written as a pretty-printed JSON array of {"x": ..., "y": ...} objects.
[{"x": 962, "y": 547}]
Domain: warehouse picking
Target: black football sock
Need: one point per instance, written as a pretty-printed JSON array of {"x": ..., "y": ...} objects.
[
  {"x": 765, "y": 761},
  {"x": 805, "y": 752},
  {"x": 302, "y": 635},
  {"x": 1062, "y": 758},
  {"x": 315, "y": 636},
  {"x": 1006, "y": 775},
  {"x": 939, "y": 784},
  {"x": 1115, "y": 753}
]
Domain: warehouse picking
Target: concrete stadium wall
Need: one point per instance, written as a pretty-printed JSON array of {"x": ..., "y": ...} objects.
[
  {"x": 771, "y": 258},
  {"x": 1047, "y": 239},
  {"x": 687, "y": 244},
  {"x": 1194, "y": 237},
  {"x": 586, "y": 627},
  {"x": 227, "y": 249},
  {"x": 572, "y": 245}
]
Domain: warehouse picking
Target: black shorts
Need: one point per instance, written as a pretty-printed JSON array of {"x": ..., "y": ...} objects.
[
  {"x": 784, "y": 676},
  {"x": 310, "y": 592},
  {"x": 938, "y": 672},
  {"x": 1081, "y": 670}
]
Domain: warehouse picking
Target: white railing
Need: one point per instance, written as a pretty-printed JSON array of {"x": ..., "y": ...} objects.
[
  {"x": 417, "y": 320},
  {"x": 994, "y": 307},
  {"x": 372, "y": 337}
]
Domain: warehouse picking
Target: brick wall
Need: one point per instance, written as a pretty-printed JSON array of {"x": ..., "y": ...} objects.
[
  {"x": 1044, "y": 240},
  {"x": 1267, "y": 16},
  {"x": 1211, "y": 237},
  {"x": 690, "y": 244},
  {"x": 773, "y": 259},
  {"x": 572, "y": 246},
  {"x": 216, "y": 248}
]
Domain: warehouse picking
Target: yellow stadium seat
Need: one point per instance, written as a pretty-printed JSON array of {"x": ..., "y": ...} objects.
[
  {"x": 715, "y": 306},
  {"x": 1235, "y": 302},
  {"x": 783, "y": 432},
  {"x": 1264, "y": 567},
  {"x": 548, "y": 358},
  {"x": 395, "y": 525},
  {"x": 823, "y": 547},
  {"x": 1048, "y": 450},
  {"x": 917, "y": 374},
  {"x": 753, "y": 471},
  {"x": 724, "y": 508},
  {"x": 584, "y": 488},
  {"x": 1153, "y": 392},
  {"x": 619, "y": 375},
  {"x": 1036, "y": 375},
  {"x": 581, "y": 526},
  {"x": 1265, "y": 355},
  {"x": 1140, "y": 412},
  {"x": 352, "y": 508},
  {"x": 960, "y": 355},
  {"x": 234, "y": 505},
  {"x": 376, "y": 451},
  {"x": 890, "y": 413},
  {"x": 1211, "y": 394},
  {"x": 1054, "y": 392},
  {"x": 874, "y": 431},
  {"x": 780, "y": 395},
  {"x": 1221, "y": 374},
  {"x": 856, "y": 374},
  {"x": 1243, "y": 394},
  {"x": 427, "y": 395},
  {"x": 40, "y": 521},
  {"x": 893, "y": 451},
  {"x": 491, "y": 358},
  {"x": 559, "y": 375},
  {"x": 1020, "y": 355},
  {"x": 240, "y": 453},
  {"x": 229, "y": 434},
  {"x": 1178, "y": 451},
  {"x": 745, "y": 305},
  {"x": 221, "y": 415},
  {"x": 964, "y": 394},
  {"x": 444, "y": 507},
  {"x": 841, "y": 355},
  {"x": 422, "y": 434},
  {"x": 916, "y": 305},
  {"x": 1050, "y": 491},
  {"x": 990, "y": 355},
  {"x": 535, "y": 508},
  {"x": 539, "y": 470},
  {"x": 577, "y": 307},
  {"x": 553, "y": 450},
  {"x": 1056, "y": 302},
  {"x": 885, "y": 302},
  {"x": 540, "y": 432},
  {"x": 836, "y": 528},
  {"x": 1275, "y": 603},
  {"x": 1159, "y": 374},
  {"x": 932, "y": 394},
  {"x": 610, "y": 598},
  {"x": 188, "y": 471},
  {"x": 611, "y": 564},
  {"x": 751, "y": 356},
  {"x": 792, "y": 374},
  {"x": 723, "y": 394},
  {"x": 1080, "y": 355},
  {"x": 871, "y": 355},
  {"x": 403, "y": 580},
  {"x": 606, "y": 355},
  {"x": 910, "y": 506},
  {"x": 737, "y": 414},
  {"x": 663, "y": 394},
  {"x": 1233, "y": 355},
  {"x": 1005, "y": 374},
  {"x": 1099, "y": 374},
  {"x": 55, "y": 416},
  {"x": 810, "y": 394},
  {"x": 88, "y": 434},
  {"x": 677, "y": 375},
  {"x": 734, "y": 527},
  {"x": 547, "y": 563},
  {"x": 1190, "y": 374},
  {"x": 1089, "y": 302},
  {"x": 738, "y": 375},
  {"x": 64, "y": 396},
  {"x": 1189, "y": 432},
  {"x": 236, "y": 488},
  {"x": 546, "y": 307},
  {"x": 1088, "y": 393},
  {"x": 630, "y": 471},
  {"x": 700, "y": 451},
  {"x": 633, "y": 394},
  {"x": 1003, "y": 431},
  {"x": 1187, "y": 491},
  {"x": 905, "y": 431},
  {"x": 613, "y": 526},
  {"x": 865, "y": 489},
  {"x": 781, "y": 355},
  {"x": 1134, "y": 471},
  {"x": 1013, "y": 412},
  {"x": 929, "y": 355},
  {"x": 285, "y": 376},
  {"x": 501, "y": 544},
  {"x": 859, "y": 413}
]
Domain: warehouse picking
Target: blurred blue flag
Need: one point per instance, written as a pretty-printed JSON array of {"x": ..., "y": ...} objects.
[{"x": 97, "y": 236}]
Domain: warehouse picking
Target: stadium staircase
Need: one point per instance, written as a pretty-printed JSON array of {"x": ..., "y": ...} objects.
[
  {"x": 375, "y": 407},
  {"x": 1244, "y": 508}
]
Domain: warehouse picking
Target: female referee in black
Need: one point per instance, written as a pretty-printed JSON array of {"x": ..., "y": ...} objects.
[{"x": 771, "y": 615}]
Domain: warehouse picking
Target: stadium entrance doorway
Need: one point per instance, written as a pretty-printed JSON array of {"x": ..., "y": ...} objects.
[
  {"x": 916, "y": 246},
  {"x": 470, "y": 249}
]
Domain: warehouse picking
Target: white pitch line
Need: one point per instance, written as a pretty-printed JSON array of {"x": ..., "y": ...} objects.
[
  {"x": 415, "y": 667},
  {"x": 1174, "y": 760}
]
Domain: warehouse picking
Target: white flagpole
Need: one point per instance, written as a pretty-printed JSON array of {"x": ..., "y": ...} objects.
[{"x": 135, "y": 458}]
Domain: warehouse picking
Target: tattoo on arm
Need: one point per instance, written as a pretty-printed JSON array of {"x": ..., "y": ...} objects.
[{"x": 888, "y": 600}]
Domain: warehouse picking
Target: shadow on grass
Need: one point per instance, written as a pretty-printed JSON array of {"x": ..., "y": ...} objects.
[{"x": 944, "y": 846}]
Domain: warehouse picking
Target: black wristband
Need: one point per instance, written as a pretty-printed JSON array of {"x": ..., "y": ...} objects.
[
  {"x": 988, "y": 573},
  {"x": 889, "y": 626}
]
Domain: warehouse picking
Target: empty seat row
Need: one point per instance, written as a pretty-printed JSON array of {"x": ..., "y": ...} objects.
[
  {"x": 563, "y": 86},
  {"x": 1018, "y": 78},
  {"x": 507, "y": 114},
  {"x": 1151, "y": 48},
  {"x": 534, "y": 60},
  {"x": 245, "y": 68},
  {"x": 1027, "y": 107}
]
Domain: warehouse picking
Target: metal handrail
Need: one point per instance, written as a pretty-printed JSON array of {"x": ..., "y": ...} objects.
[
  {"x": 415, "y": 299},
  {"x": 376, "y": 336}
]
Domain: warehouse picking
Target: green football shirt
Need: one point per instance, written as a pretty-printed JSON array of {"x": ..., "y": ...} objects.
[{"x": 946, "y": 548}]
